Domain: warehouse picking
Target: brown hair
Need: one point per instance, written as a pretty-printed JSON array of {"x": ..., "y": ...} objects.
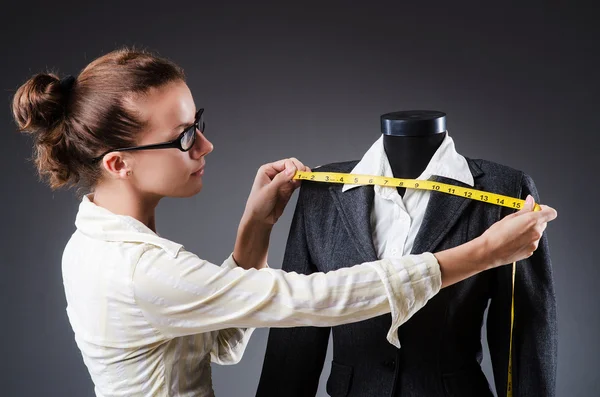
[{"x": 74, "y": 123}]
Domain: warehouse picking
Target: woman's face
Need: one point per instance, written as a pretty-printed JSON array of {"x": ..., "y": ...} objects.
[{"x": 168, "y": 110}]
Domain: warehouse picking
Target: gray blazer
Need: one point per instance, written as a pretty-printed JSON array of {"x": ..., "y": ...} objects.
[{"x": 441, "y": 344}]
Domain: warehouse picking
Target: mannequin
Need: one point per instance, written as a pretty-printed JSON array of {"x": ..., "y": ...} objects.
[
  {"x": 440, "y": 352},
  {"x": 410, "y": 139}
]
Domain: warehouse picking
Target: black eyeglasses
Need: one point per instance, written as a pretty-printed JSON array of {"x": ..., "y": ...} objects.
[{"x": 184, "y": 142}]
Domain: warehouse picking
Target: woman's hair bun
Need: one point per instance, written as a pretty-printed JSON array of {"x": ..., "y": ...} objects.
[
  {"x": 39, "y": 109},
  {"x": 39, "y": 104}
]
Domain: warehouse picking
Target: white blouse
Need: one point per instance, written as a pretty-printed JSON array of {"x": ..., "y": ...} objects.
[
  {"x": 396, "y": 220},
  {"x": 149, "y": 316}
]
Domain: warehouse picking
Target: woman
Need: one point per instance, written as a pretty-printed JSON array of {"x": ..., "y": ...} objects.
[{"x": 149, "y": 316}]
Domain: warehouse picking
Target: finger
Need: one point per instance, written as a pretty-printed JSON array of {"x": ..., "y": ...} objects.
[
  {"x": 288, "y": 172},
  {"x": 266, "y": 170},
  {"x": 299, "y": 165},
  {"x": 276, "y": 166},
  {"x": 532, "y": 247},
  {"x": 293, "y": 185},
  {"x": 541, "y": 227},
  {"x": 302, "y": 167},
  {"x": 281, "y": 164},
  {"x": 272, "y": 169},
  {"x": 298, "y": 182},
  {"x": 528, "y": 207},
  {"x": 536, "y": 234},
  {"x": 281, "y": 179},
  {"x": 290, "y": 168},
  {"x": 547, "y": 213}
]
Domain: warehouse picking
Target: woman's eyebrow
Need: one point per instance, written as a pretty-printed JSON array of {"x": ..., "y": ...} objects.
[{"x": 183, "y": 125}]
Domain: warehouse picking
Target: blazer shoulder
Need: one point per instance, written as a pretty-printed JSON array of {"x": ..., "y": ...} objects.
[
  {"x": 498, "y": 172},
  {"x": 502, "y": 178},
  {"x": 343, "y": 166}
]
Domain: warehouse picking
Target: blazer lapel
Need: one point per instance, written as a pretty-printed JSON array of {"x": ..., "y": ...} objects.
[
  {"x": 443, "y": 211},
  {"x": 354, "y": 207}
]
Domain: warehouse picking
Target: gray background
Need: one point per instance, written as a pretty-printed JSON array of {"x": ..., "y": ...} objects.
[{"x": 518, "y": 81}]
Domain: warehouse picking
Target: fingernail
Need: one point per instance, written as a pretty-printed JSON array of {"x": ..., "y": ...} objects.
[
  {"x": 290, "y": 171},
  {"x": 529, "y": 200}
]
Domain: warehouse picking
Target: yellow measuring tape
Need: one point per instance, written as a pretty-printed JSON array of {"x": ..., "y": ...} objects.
[
  {"x": 357, "y": 179},
  {"x": 473, "y": 194}
]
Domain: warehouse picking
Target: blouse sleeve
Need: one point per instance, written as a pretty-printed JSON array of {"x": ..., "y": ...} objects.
[
  {"x": 229, "y": 344},
  {"x": 185, "y": 295}
]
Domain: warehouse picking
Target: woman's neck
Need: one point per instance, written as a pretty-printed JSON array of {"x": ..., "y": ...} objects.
[{"x": 122, "y": 200}]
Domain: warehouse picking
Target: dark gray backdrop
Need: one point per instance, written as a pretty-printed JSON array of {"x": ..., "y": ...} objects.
[{"x": 518, "y": 81}]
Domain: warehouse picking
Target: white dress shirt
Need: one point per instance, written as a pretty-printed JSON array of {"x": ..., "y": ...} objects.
[
  {"x": 396, "y": 220},
  {"x": 149, "y": 316}
]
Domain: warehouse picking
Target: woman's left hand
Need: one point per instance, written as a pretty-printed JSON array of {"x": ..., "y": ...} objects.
[{"x": 272, "y": 189}]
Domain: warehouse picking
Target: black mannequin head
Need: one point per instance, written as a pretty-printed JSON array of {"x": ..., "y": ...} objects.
[
  {"x": 413, "y": 123},
  {"x": 410, "y": 139}
]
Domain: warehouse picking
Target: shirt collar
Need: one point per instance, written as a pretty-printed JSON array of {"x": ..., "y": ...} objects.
[
  {"x": 446, "y": 162},
  {"x": 99, "y": 223}
]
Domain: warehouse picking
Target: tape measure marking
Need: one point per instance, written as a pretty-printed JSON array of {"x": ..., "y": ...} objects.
[
  {"x": 473, "y": 194},
  {"x": 358, "y": 179}
]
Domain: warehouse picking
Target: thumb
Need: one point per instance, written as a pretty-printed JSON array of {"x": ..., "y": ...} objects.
[
  {"x": 282, "y": 178},
  {"x": 529, "y": 204}
]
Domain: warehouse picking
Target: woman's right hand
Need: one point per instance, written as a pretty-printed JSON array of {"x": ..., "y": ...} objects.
[
  {"x": 516, "y": 236},
  {"x": 513, "y": 238}
]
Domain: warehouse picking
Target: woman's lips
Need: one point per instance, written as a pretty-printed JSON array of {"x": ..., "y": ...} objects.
[{"x": 200, "y": 172}]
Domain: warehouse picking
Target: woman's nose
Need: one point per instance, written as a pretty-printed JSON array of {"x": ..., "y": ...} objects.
[{"x": 202, "y": 146}]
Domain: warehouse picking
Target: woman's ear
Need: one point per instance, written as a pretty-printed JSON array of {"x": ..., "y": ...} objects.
[{"x": 116, "y": 164}]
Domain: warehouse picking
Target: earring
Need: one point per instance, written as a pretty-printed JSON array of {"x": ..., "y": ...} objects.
[{"x": 128, "y": 173}]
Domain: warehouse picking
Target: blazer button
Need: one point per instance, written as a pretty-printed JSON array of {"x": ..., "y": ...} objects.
[{"x": 389, "y": 364}]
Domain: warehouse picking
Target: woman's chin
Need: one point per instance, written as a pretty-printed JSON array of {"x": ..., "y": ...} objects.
[
  {"x": 192, "y": 190},
  {"x": 188, "y": 189}
]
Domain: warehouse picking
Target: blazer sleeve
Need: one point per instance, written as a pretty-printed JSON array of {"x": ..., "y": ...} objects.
[
  {"x": 294, "y": 357},
  {"x": 535, "y": 334}
]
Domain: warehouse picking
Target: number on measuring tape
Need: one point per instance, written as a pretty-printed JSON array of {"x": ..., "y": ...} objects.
[{"x": 487, "y": 197}]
